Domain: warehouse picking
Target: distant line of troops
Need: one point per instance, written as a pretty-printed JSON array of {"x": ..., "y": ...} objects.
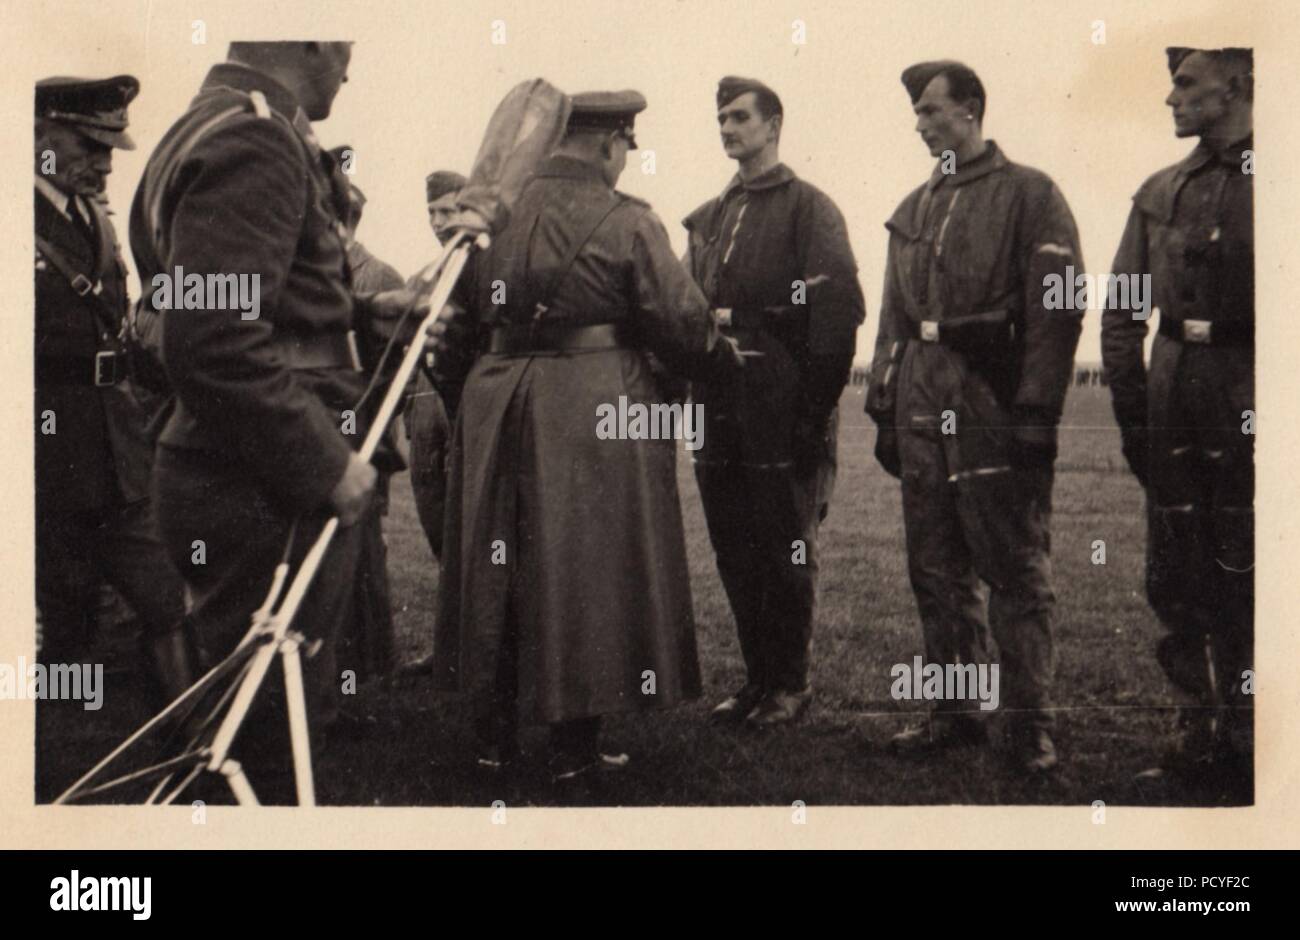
[{"x": 760, "y": 318}]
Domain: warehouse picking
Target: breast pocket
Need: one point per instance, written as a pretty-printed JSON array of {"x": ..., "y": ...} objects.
[{"x": 970, "y": 248}]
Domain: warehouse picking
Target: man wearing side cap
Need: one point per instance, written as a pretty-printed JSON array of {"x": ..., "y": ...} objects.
[
  {"x": 565, "y": 594},
  {"x": 426, "y": 416},
  {"x": 967, "y": 385},
  {"x": 94, "y": 519},
  {"x": 427, "y": 425},
  {"x": 772, "y": 255},
  {"x": 1186, "y": 420}
]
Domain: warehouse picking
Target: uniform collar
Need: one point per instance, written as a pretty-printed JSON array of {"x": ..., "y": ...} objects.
[
  {"x": 245, "y": 78},
  {"x": 1204, "y": 153},
  {"x": 778, "y": 175},
  {"x": 991, "y": 160},
  {"x": 61, "y": 201},
  {"x": 572, "y": 168}
]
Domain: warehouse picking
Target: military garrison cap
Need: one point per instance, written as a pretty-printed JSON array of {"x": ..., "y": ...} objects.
[
  {"x": 607, "y": 110},
  {"x": 733, "y": 86},
  {"x": 916, "y": 77},
  {"x": 442, "y": 182},
  {"x": 963, "y": 83},
  {"x": 96, "y": 108}
]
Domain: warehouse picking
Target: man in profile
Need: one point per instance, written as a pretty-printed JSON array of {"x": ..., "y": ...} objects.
[
  {"x": 968, "y": 381},
  {"x": 1187, "y": 420},
  {"x": 261, "y": 445}
]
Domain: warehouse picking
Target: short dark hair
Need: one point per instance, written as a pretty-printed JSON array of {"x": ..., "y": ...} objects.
[
  {"x": 1232, "y": 63},
  {"x": 964, "y": 84}
]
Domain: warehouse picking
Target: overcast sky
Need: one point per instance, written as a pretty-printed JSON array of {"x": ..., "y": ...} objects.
[{"x": 426, "y": 76}]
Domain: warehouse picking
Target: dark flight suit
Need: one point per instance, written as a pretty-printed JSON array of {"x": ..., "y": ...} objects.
[
  {"x": 772, "y": 256},
  {"x": 94, "y": 521},
  {"x": 964, "y": 330},
  {"x": 256, "y": 439},
  {"x": 1184, "y": 419}
]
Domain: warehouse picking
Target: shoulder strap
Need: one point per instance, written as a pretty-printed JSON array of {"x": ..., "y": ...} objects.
[
  {"x": 593, "y": 221},
  {"x": 179, "y": 155},
  {"x": 181, "y": 149},
  {"x": 106, "y": 247},
  {"x": 78, "y": 280}
]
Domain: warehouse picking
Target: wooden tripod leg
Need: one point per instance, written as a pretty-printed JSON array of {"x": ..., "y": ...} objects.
[
  {"x": 299, "y": 735},
  {"x": 239, "y": 784}
]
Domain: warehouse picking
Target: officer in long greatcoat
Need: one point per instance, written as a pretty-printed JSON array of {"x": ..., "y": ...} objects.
[
  {"x": 772, "y": 256},
  {"x": 94, "y": 521},
  {"x": 565, "y": 593},
  {"x": 1187, "y": 420},
  {"x": 969, "y": 378}
]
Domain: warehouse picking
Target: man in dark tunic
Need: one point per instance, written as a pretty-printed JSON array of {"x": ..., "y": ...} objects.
[
  {"x": 565, "y": 593},
  {"x": 1188, "y": 420},
  {"x": 772, "y": 256},
  {"x": 94, "y": 520},
  {"x": 262, "y": 441},
  {"x": 968, "y": 382}
]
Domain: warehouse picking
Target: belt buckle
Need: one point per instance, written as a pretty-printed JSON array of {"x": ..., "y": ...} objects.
[
  {"x": 105, "y": 368},
  {"x": 724, "y": 316},
  {"x": 929, "y": 331},
  {"x": 84, "y": 285},
  {"x": 1196, "y": 331}
]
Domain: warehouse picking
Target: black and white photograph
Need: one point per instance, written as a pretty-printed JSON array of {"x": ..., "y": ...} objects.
[{"x": 649, "y": 405}]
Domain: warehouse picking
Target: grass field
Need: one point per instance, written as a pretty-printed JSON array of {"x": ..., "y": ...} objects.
[{"x": 413, "y": 747}]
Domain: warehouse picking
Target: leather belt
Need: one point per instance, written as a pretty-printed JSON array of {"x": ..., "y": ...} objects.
[
  {"x": 525, "y": 340},
  {"x": 106, "y": 368},
  {"x": 751, "y": 318},
  {"x": 318, "y": 350},
  {"x": 990, "y": 325},
  {"x": 1208, "y": 332}
]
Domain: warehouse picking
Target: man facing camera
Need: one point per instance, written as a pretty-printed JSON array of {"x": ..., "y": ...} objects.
[{"x": 772, "y": 256}]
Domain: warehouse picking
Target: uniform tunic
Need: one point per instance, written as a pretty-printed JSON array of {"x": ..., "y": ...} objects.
[
  {"x": 93, "y": 518},
  {"x": 562, "y": 550},
  {"x": 775, "y": 250},
  {"x": 1183, "y": 419},
  {"x": 969, "y": 251},
  {"x": 254, "y": 442}
]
